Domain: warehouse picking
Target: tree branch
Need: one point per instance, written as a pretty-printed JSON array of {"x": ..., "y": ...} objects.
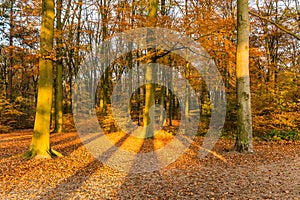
[{"x": 284, "y": 29}]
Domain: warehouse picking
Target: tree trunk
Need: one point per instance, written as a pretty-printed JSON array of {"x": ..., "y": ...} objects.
[
  {"x": 11, "y": 57},
  {"x": 149, "y": 101},
  {"x": 187, "y": 93},
  {"x": 40, "y": 144},
  {"x": 244, "y": 123},
  {"x": 104, "y": 85},
  {"x": 59, "y": 71},
  {"x": 170, "y": 94},
  {"x": 150, "y": 73}
]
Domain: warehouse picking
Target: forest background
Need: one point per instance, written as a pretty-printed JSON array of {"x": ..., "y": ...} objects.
[{"x": 79, "y": 25}]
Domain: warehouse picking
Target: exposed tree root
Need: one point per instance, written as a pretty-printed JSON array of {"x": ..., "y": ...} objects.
[
  {"x": 32, "y": 153},
  {"x": 243, "y": 148}
]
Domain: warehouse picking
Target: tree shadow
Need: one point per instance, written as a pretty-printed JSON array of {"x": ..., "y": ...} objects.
[
  {"x": 55, "y": 140},
  {"x": 16, "y": 139},
  {"x": 13, "y": 148},
  {"x": 142, "y": 177},
  {"x": 73, "y": 182},
  {"x": 72, "y": 146}
]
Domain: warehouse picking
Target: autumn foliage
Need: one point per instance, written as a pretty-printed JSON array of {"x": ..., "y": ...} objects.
[{"x": 274, "y": 56}]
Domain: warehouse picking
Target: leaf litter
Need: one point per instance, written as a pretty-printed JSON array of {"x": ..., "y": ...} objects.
[{"x": 272, "y": 172}]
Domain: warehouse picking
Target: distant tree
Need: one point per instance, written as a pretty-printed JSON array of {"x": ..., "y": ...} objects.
[
  {"x": 59, "y": 71},
  {"x": 150, "y": 73}
]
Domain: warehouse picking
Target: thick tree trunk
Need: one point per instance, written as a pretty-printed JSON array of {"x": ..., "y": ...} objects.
[
  {"x": 244, "y": 126},
  {"x": 40, "y": 144}
]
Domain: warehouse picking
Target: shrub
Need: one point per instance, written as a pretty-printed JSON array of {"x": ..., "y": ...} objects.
[{"x": 276, "y": 135}]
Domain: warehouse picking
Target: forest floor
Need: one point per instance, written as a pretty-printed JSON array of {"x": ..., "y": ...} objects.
[{"x": 271, "y": 172}]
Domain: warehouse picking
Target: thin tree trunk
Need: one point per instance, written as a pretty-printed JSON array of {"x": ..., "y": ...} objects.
[
  {"x": 11, "y": 60},
  {"x": 59, "y": 71},
  {"x": 139, "y": 91},
  {"x": 187, "y": 92},
  {"x": 162, "y": 116},
  {"x": 170, "y": 102}
]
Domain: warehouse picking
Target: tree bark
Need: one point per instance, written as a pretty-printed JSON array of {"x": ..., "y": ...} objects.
[
  {"x": 11, "y": 57},
  {"x": 150, "y": 73},
  {"x": 40, "y": 144},
  {"x": 244, "y": 126},
  {"x": 59, "y": 72}
]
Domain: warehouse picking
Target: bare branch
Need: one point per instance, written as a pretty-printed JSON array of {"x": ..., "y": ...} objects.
[{"x": 275, "y": 24}]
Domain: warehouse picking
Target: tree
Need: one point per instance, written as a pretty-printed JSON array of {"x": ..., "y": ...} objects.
[
  {"x": 10, "y": 73},
  {"x": 244, "y": 123},
  {"x": 59, "y": 73},
  {"x": 150, "y": 73},
  {"x": 40, "y": 144}
]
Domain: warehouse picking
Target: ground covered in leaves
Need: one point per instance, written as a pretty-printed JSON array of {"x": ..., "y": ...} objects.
[{"x": 272, "y": 172}]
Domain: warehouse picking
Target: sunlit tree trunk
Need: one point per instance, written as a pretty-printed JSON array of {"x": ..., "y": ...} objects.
[
  {"x": 187, "y": 89},
  {"x": 149, "y": 100},
  {"x": 149, "y": 90},
  {"x": 130, "y": 64},
  {"x": 244, "y": 123},
  {"x": 139, "y": 91},
  {"x": 162, "y": 98},
  {"x": 40, "y": 144}
]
